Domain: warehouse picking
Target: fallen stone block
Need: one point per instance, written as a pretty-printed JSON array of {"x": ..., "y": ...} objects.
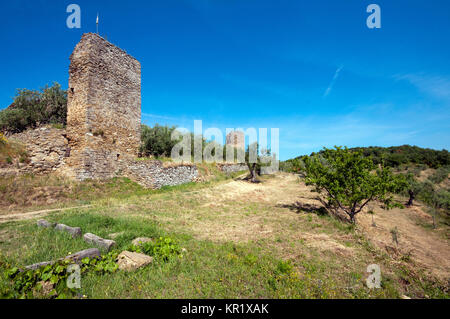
[
  {"x": 39, "y": 265},
  {"x": 45, "y": 224},
  {"x": 76, "y": 258},
  {"x": 96, "y": 240},
  {"x": 129, "y": 261},
  {"x": 87, "y": 253},
  {"x": 141, "y": 240},
  {"x": 74, "y": 231}
]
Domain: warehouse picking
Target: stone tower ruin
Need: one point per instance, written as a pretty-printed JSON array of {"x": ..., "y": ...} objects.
[
  {"x": 236, "y": 139},
  {"x": 103, "y": 110}
]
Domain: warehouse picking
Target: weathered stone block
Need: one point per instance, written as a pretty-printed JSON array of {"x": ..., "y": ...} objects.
[
  {"x": 74, "y": 231},
  {"x": 128, "y": 260},
  {"x": 39, "y": 265},
  {"x": 96, "y": 240},
  {"x": 87, "y": 253},
  {"x": 45, "y": 224}
]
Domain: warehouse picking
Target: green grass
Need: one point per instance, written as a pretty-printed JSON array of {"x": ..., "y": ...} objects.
[
  {"x": 282, "y": 266},
  {"x": 207, "y": 269}
]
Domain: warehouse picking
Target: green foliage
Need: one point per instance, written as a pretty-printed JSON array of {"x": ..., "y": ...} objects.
[
  {"x": 440, "y": 174},
  {"x": 394, "y": 157},
  {"x": 347, "y": 181},
  {"x": 32, "y": 108},
  {"x": 156, "y": 141},
  {"x": 163, "y": 248},
  {"x": 25, "y": 283},
  {"x": 428, "y": 192}
]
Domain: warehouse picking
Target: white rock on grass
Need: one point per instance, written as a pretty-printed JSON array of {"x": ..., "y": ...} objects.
[{"x": 129, "y": 261}]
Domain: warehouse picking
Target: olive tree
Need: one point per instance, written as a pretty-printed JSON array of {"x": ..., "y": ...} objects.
[{"x": 347, "y": 180}]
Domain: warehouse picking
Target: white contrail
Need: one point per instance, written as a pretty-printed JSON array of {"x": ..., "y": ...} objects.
[{"x": 336, "y": 74}]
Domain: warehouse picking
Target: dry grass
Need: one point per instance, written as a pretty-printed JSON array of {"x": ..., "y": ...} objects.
[
  {"x": 280, "y": 217},
  {"x": 241, "y": 212}
]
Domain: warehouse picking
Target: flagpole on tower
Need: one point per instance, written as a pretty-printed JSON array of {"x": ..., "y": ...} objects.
[{"x": 97, "y": 23}]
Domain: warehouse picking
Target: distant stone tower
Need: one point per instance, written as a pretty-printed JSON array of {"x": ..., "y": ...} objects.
[
  {"x": 104, "y": 108},
  {"x": 236, "y": 139}
]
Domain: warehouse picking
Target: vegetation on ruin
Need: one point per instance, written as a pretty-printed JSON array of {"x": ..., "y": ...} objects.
[
  {"x": 11, "y": 152},
  {"x": 32, "y": 108}
]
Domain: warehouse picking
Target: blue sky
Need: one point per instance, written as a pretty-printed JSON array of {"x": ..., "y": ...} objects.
[{"x": 310, "y": 68}]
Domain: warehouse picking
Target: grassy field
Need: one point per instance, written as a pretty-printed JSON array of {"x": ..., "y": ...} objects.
[{"x": 240, "y": 240}]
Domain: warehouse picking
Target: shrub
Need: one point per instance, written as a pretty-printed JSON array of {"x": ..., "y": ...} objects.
[
  {"x": 32, "y": 108},
  {"x": 3, "y": 139},
  {"x": 346, "y": 181},
  {"x": 162, "y": 249},
  {"x": 156, "y": 141},
  {"x": 440, "y": 174}
]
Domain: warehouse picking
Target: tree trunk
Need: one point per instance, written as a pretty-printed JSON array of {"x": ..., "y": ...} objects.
[
  {"x": 352, "y": 218},
  {"x": 253, "y": 174},
  {"x": 411, "y": 198}
]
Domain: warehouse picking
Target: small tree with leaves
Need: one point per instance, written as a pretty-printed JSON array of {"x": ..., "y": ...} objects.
[
  {"x": 347, "y": 181},
  {"x": 414, "y": 188}
]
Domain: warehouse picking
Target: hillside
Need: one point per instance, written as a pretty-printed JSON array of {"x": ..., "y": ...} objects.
[{"x": 397, "y": 156}]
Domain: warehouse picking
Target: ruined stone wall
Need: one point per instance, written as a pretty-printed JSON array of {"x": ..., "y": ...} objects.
[
  {"x": 232, "y": 168},
  {"x": 104, "y": 108},
  {"x": 46, "y": 147},
  {"x": 154, "y": 174}
]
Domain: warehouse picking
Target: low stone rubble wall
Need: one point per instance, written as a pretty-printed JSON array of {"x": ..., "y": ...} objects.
[
  {"x": 233, "y": 167},
  {"x": 49, "y": 150},
  {"x": 155, "y": 174},
  {"x": 46, "y": 147}
]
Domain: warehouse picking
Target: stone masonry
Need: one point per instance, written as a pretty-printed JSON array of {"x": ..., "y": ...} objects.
[
  {"x": 46, "y": 147},
  {"x": 104, "y": 108},
  {"x": 236, "y": 139},
  {"x": 102, "y": 137}
]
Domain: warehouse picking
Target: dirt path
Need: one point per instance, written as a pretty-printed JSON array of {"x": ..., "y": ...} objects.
[{"x": 30, "y": 215}]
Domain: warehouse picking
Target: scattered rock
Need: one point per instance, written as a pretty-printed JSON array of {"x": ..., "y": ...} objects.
[
  {"x": 89, "y": 253},
  {"x": 46, "y": 224},
  {"x": 141, "y": 240},
  {"x": 103, "y": 243},
  {"x": 128, "y": 260},
  {"x": 74, "y": 231},
  {"x": 405, "y": 297}
]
